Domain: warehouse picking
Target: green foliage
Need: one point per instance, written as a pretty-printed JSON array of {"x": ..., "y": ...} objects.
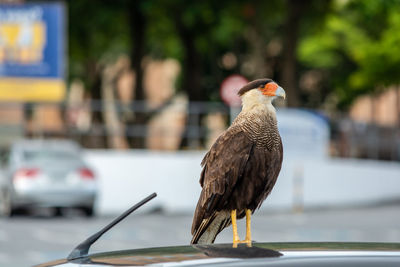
[
  {"x": 161, "y": 38},
  {"x": 95, "y": 32},
  {"x": 99, "y": 32},
  {"x": 358, "y": 46},
  {"x": 355, "y": 44}
]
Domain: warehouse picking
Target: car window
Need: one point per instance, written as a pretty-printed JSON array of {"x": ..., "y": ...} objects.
[
  {"x": 49, "y": 155},
  {"x": 4, "y": 157}
]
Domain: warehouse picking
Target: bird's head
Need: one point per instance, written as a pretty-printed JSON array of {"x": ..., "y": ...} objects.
[{"x": 261, "y": 91}]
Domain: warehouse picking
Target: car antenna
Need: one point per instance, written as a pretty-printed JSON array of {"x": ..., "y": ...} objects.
[{"x": 82, "y": 249}]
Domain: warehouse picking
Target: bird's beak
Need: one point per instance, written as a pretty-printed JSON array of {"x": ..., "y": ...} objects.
[{"x": 280, "y": 92}]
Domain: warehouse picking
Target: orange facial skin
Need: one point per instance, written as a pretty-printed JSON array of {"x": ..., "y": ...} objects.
[{"x": 269, "y": 89}]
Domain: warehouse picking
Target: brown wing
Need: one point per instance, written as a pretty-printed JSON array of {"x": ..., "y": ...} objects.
[
  {"x": 261, "y": 172},
  {"x": 223, "y": 166}
]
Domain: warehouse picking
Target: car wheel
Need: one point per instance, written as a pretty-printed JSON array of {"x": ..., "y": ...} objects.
[
  {"x": 6, "y": 209},
  {"x": 89, "y": 211}
]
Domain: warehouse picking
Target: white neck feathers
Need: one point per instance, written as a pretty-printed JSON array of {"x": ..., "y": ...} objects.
[{"x": 254, "y": 100}]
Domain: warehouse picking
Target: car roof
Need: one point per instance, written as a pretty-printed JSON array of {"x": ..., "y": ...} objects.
[
  {"x": 260, "y": 254},
  {"x": 33, "y": 144}
]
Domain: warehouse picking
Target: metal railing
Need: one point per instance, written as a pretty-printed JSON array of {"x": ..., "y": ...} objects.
[
  {"x": 99, "y": 119},
  {"x": 96, "y": 124}
]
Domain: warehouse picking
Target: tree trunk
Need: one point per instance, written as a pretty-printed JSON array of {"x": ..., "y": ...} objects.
[
  {"x": 397, "y": 88},
  {"x": 115, "y": 129},
  {"x": 295, "y": 9},
  {"x": 191, "y": 84},
  {"x": 98, "y": 139},
  {"x": 137, "y": 23}
]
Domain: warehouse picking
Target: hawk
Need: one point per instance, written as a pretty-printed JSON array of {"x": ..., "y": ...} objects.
[{"x": 242, "y": 166}]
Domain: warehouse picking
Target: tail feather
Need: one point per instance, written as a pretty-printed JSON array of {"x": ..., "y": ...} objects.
[{"x": 211, "y": 227}]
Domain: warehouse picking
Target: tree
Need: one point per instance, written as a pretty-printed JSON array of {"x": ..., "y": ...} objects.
[
  {"x": 197, "y": 35},
  {"x": 295, "y": 13},
  {"x": 90, "y": 49},
  {"x": 357, "y": 48}
]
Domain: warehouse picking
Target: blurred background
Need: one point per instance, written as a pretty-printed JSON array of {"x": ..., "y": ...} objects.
[{"x": 102, "y": 103}]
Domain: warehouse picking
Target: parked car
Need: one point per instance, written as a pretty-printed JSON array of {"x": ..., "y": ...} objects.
[
  {"x": 260, "y": 254},
  {"x": 46, "y": 173}
]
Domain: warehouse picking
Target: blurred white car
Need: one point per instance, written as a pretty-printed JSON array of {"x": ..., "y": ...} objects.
[{"x": 46, "y": 173}]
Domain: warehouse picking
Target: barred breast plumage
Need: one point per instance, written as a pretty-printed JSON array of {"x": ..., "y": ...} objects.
[{"x": 261, "y": 128}]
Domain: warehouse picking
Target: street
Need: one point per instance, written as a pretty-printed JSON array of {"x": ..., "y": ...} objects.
[{"x": 25, "y": 241}]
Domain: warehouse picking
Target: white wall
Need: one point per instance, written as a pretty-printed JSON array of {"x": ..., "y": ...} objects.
[{"x": 127, "y": 177}]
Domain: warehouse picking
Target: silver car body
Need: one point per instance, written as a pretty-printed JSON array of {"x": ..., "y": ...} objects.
[
  {"x": 261, "y": 254},
  {"x": 48, "y": 173}
]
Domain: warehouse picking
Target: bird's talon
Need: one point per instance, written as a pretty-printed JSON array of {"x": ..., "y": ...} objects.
[{"x": 234, "y": 245}]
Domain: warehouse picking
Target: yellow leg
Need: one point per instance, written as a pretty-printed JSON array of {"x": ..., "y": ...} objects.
[
  {"x": 236, "y": 239},
  {"x": 248, "y": 228}
]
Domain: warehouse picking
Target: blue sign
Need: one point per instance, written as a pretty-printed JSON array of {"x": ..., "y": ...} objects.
[
  {"x": 32, "y": 40},
  {"x": 32, "y": 52}
]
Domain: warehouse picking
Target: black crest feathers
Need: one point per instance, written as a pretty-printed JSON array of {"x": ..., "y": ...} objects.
[{"x": 253, "y": 84}]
